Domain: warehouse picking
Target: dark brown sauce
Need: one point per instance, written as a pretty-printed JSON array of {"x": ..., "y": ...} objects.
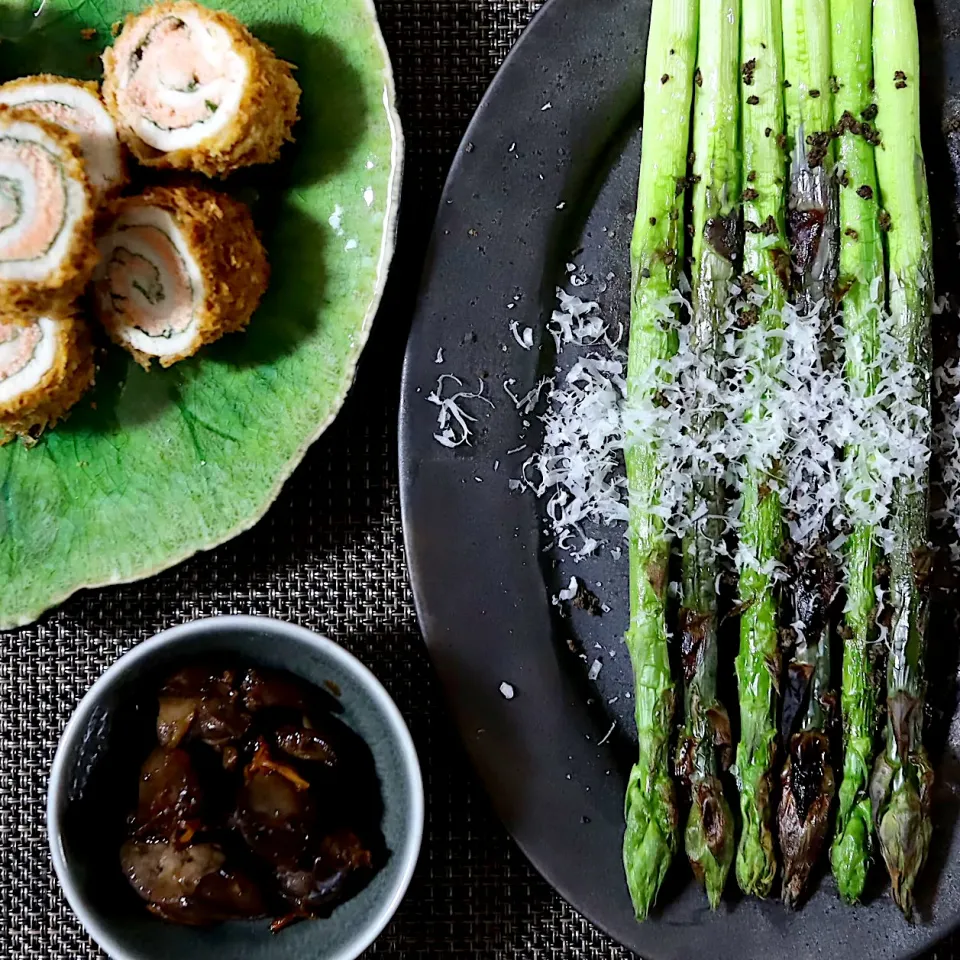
[{"x": 254, "y": 800}]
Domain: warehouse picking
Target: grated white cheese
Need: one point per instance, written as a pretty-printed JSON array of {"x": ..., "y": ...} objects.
[
  {"x": 453, "y": 423},
  {"x": 947, "y": 443},
  {"x": 811, "y": 397},
  {"x": 507, "y": 691},
  {"x": 525, "y": 339},
  {"x": 770, "y": 401},
  {"x": 527, "y": 403},
  {"x": 609, "y": 733},
  {"x": 570, "y": 591}
]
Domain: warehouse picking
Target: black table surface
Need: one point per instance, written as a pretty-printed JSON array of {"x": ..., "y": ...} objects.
[{"x": 329, "y": 555}]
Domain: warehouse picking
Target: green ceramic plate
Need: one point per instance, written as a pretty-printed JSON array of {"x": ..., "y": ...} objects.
[{"x": 152, "y": 467}]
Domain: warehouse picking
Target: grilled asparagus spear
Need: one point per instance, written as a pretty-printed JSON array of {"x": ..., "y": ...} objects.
[
  {"x": 709, "y": 834},
  {"x": 903, "y": 776},
  {"x": 862, "y": 277},
  {"x": 656, "y": 250},
  {"x": 766, "y": 262},
  {"x": 807, "y": 783}
]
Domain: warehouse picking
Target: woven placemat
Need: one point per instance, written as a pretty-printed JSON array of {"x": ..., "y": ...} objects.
[{"x": 329, "y": 556}]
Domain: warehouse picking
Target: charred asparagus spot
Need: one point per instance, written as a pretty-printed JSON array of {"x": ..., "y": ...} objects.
[
  {"x": 812, "y": 227},
  {"x": 807, "y": 788},
  {"x": 651, "y": 835},
  {"x": 709, "y": 833},
  {"x": 902, "y": 784},
  {"x": 812, "y": 201},
  {"x": 807, "y": 781}
]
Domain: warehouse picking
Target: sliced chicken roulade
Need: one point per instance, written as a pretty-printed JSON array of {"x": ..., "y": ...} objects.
[
  {"x": 76, "y": 106},
  {"x": 45, "y": 367},
  {"x": 47, "y": 250},
  {"x": 179, "y": 268},
  {"x": 192, "y": 88}
]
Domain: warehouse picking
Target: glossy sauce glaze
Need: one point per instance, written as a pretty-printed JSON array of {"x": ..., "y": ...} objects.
[{"x": 254, "y": 800}]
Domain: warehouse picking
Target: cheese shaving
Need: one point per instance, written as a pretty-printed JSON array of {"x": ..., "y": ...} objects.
[
  {"x": 453, "y": 423},
  {"x": 947, "y": 443}
]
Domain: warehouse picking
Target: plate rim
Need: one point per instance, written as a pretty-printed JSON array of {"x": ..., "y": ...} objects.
[{"x": 935, "y": 931}]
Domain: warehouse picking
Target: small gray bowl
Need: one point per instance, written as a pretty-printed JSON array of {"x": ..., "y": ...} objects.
[{"x": 95, "y": 770}]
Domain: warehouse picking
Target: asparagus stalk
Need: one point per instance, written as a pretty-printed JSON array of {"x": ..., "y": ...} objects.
[
  {"x": 903, "y": 777},
  {"x": 656, "y": 250},
  {"x": 709, "y": 834},
  {"x": 761, "y": 537},
  {"x": 862, "y": 277},
  {"x": 807, "y": 777}
]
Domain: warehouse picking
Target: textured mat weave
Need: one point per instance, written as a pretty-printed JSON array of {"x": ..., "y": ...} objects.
[{"x": 329, "y": 556}]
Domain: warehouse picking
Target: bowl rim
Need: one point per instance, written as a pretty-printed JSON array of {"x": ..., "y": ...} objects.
[{"x": 59, "y": 771}]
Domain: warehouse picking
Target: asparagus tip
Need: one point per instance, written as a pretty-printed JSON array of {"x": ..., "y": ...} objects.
[
  {"x": 709, "y": 838},
  {"x": 850, "y": 855},
  {"x": 756, "y": 863},
  {"x": 904, "y": 831},
  {"x": 650, "y": 840},
  {"x": 852, "y": 850},
  {"x": 807, "y": 787}
]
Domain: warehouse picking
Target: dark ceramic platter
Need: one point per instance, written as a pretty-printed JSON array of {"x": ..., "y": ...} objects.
[{"x": 530, "y": 190}]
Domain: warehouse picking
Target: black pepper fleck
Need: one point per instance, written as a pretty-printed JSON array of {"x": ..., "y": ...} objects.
[
  {"x": 747, "y": 317},
  {"x": 753, "y": 100}
]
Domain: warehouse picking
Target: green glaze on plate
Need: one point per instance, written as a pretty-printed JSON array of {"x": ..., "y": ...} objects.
[{"x": 152, "y": 467}]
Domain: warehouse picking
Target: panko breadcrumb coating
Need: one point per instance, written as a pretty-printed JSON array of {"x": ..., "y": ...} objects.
[
  {"x": 180, "y": 267},
  {"x": 45, "y": 368},
  {"x": 193, "y": 89},
  {"x": 47, "y": 249}
]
